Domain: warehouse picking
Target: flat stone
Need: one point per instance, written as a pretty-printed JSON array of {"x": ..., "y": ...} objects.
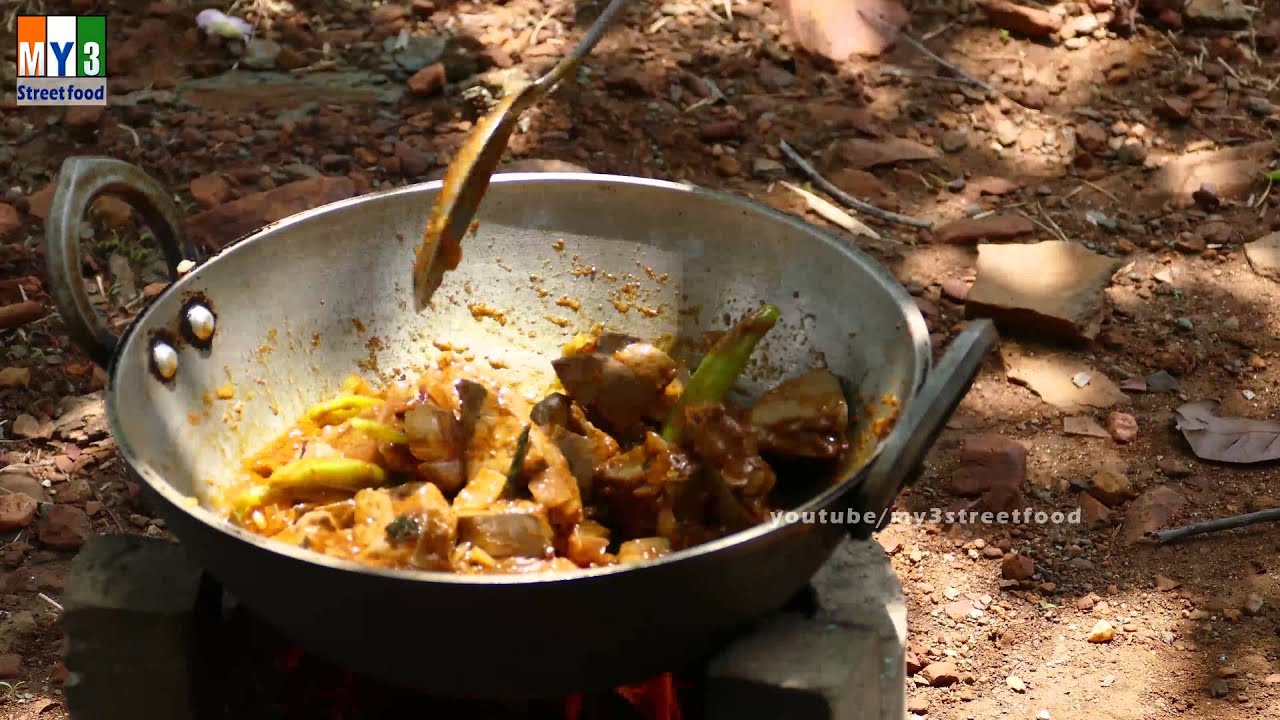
[
  {"x": 1083, "y": 425},
  {"x": 1021, "y": 19},
  {"x": 20, "y": 482},
  {"x": 129, "y": 597},
  {"x": 1049, "y": 374},
  {"x": 218, "y": 226},
  {"x": 1017, "y": 567},
  {"x": 1062, "y": 299},
  {"x": 864, "y": 154},
  {"x": 1233, "y": 171},
  {"x": 1264, "y": 256},
  {"x": 1001, "y": 227},
  {"x": 836, "y": 29},
  {"x": 1153, "y": 510},
  {"x": 64, "y": 527},
  {"x": 17, "y": 510},
  {"x": 939, "y": 674},
  {"x": 1092, "y": 512}
]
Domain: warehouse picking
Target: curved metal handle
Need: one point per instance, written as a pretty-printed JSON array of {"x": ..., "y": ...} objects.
[
  {"x": 903, "y": 453},
  {"x": 80, "y": 181}
]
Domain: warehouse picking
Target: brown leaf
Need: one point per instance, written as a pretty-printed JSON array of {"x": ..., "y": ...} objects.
[
  {"x": 1227, "y": 439},
  {"x": 862, "y": 154}
]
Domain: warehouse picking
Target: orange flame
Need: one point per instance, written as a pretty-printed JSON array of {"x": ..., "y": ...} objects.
[{"x": 655, "y": 698}]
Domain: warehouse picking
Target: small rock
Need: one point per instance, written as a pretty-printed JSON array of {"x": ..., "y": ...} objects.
[
  {"x": 958, "y": 610},
  {"x": 260, "y": 54},
  {"x": 767, "y": 169},
  {"x": 10, "y": 666},
  {"x": 428, "y": 80},
  {"x": 728, "y": 165},
  {"x": 92, "y": 508},
  {"x": 1083, "y": 426},
  {"x": 629, "y": 80},
  {"x": 1226, "y": 13},
  {"x": 1173, "y": 468},
  {"x": 1132, "y": 151},
  {"x": 1261, "y": 502},
  {"x": 1043, "y": 715},
  {"x": 25, "y": 426},
  {"x": 918, "y": 706},
  {"x": 1184, "y": 324},
  {"x": 16, "y": 482},
  {"x": 1273, "y": 679},
  {"x": 210, "y": 190},
  {"x": 1263, "y": 255},
  {"x": 1253, "y": 604},
  {"x": 1174, "y": 109},
  {"x": 992, "y": 552},
  {"x": 1017, "y": 567},
  {"x": 1231, "y": 614},
  {"x": 1015, "y": 684},
  {"x": 1110, "y": 486},
  {"x": 1219, "y": 688},
  {"x": 994, "y": 467},
  {"x": 1102, "y": 632},
  {"x": 720, "y": 130},
  {"x": 1021, "y": 19},
  {"x": 17, "y": 510},
  {"x": 774, "y": 78},
  {"x": 82, "y": 122},
  {"x": 941, "y": 674},
  {"x": 954, "y": 141},
  {"x": 1189, "y": 243},
  {"x": 1170, "y": 18},
  {"x": 1207, "y": 197},
  {"x": 1122, "y": 426},
  {"x": 1165, "y": 584},
  {"x": 1092, "y": 512},
  {"x": 993, "y": 228},
  {"x": 1017, "y": 299},
  {"x": 864, "y": 154},
  {"x": 1006, "y": 132},
  {"x": 10, "y": 222},
  {"x": 1161, "y": 381},
  {"x": 1153, "y": 510},
  {"x": 836, "y": 29},
  {"x": 64, "y": 527}
]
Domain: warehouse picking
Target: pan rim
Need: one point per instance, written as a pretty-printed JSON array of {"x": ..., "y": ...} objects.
[{"x": 154, "y": 480}]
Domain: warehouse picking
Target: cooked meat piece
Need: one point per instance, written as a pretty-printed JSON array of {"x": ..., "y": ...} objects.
[
  {"x": 729, "y": 447},
  {"x": 434, "y": 434},
  {"x": 510, "y": 529},
  {"x": 552, "y": 410},
  {"x": 623, "y": 387},
  {"x": 611, "y": 342},
  {"x": 374, "y": 511},
  {"x": 446, "y": 474},
  {"x": 589, "y": 544},
  {"x": 641, "y": 549},
  {"x": 640, "y": 486},
  {"x": 603, "y": 445},
  {"x": 806, "y": 416},
  {"x": 351, "y": 443},
  {"x": 472, "y": 398},
  {"x": 579, "y": 453},
  {"x": 434, "y": 524},
  {"x": 490, "y": 446},
  {"x": 550, "y": 481}
]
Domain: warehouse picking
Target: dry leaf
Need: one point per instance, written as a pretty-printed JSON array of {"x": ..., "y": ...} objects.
[
  {"x": 1227, "y": 439},
  {"x": 12, "y": 376},
  {"x": 832, "y": 213},
  {"x": 1083, "y": 425}
]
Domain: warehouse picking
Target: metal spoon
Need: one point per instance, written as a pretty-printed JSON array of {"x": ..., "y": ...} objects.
[{"x": 467, "y": 177}]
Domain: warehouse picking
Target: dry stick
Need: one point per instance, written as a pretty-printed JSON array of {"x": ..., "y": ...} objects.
[
  {"x": 844, "y": 198},
  {"x": 1208, "y": 526},
  {"x": 19, "y": 314},
  {"x": 919, "y": 46}
]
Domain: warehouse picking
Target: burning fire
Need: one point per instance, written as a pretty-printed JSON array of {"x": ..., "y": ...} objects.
[{"x": 654, "y": 699}]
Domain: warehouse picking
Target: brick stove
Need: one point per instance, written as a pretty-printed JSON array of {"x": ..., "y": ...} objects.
[{"x": 150, "y": 636}]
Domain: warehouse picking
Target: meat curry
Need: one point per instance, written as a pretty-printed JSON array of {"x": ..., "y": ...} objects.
[{"x": 621, "y": 462}]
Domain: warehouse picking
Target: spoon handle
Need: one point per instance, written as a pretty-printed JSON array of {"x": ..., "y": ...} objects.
[{"x": 584, "y": 46}]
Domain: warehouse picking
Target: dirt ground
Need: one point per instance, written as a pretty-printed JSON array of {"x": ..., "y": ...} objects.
[{"x": 1073, "y": 141}]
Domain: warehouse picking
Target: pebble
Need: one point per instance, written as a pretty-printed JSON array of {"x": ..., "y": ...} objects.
[
  {"x": 767, "y": 169},
  {"x": 728, "y": 165},
  {"x": 1015, "y": 684},
  {"x": 1017, "y": 567},
  {"x": 1185, "y": 325},
  {"x": 954, "y": 141},
  {"x": 1122, "y": 426},
  {"x": 1102, "y": 632},
  {"x": 1219, "y": 688},
  {"x": 17, "y": 510},
  {"x": 64, "y": 527}
]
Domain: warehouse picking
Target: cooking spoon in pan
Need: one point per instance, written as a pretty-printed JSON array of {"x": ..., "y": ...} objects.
[{"x": 467, "y": 177}]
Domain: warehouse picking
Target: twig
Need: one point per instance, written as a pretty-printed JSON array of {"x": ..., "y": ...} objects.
[
  {"x": 106, "y": 508},
  {"x": 919, "y": 46},
  {"x": 49, "y": 600},
  {"x": 1028, "y": 216},
  {"x": 1232, "y": 71},
  {"x": 844, "y": 198},
  {"x": 1049, "y": 219},
  {"x": 1099, "y": 189},
  {"x": 537, "y": 27},
  {"x": 1227, "y": 523}
]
